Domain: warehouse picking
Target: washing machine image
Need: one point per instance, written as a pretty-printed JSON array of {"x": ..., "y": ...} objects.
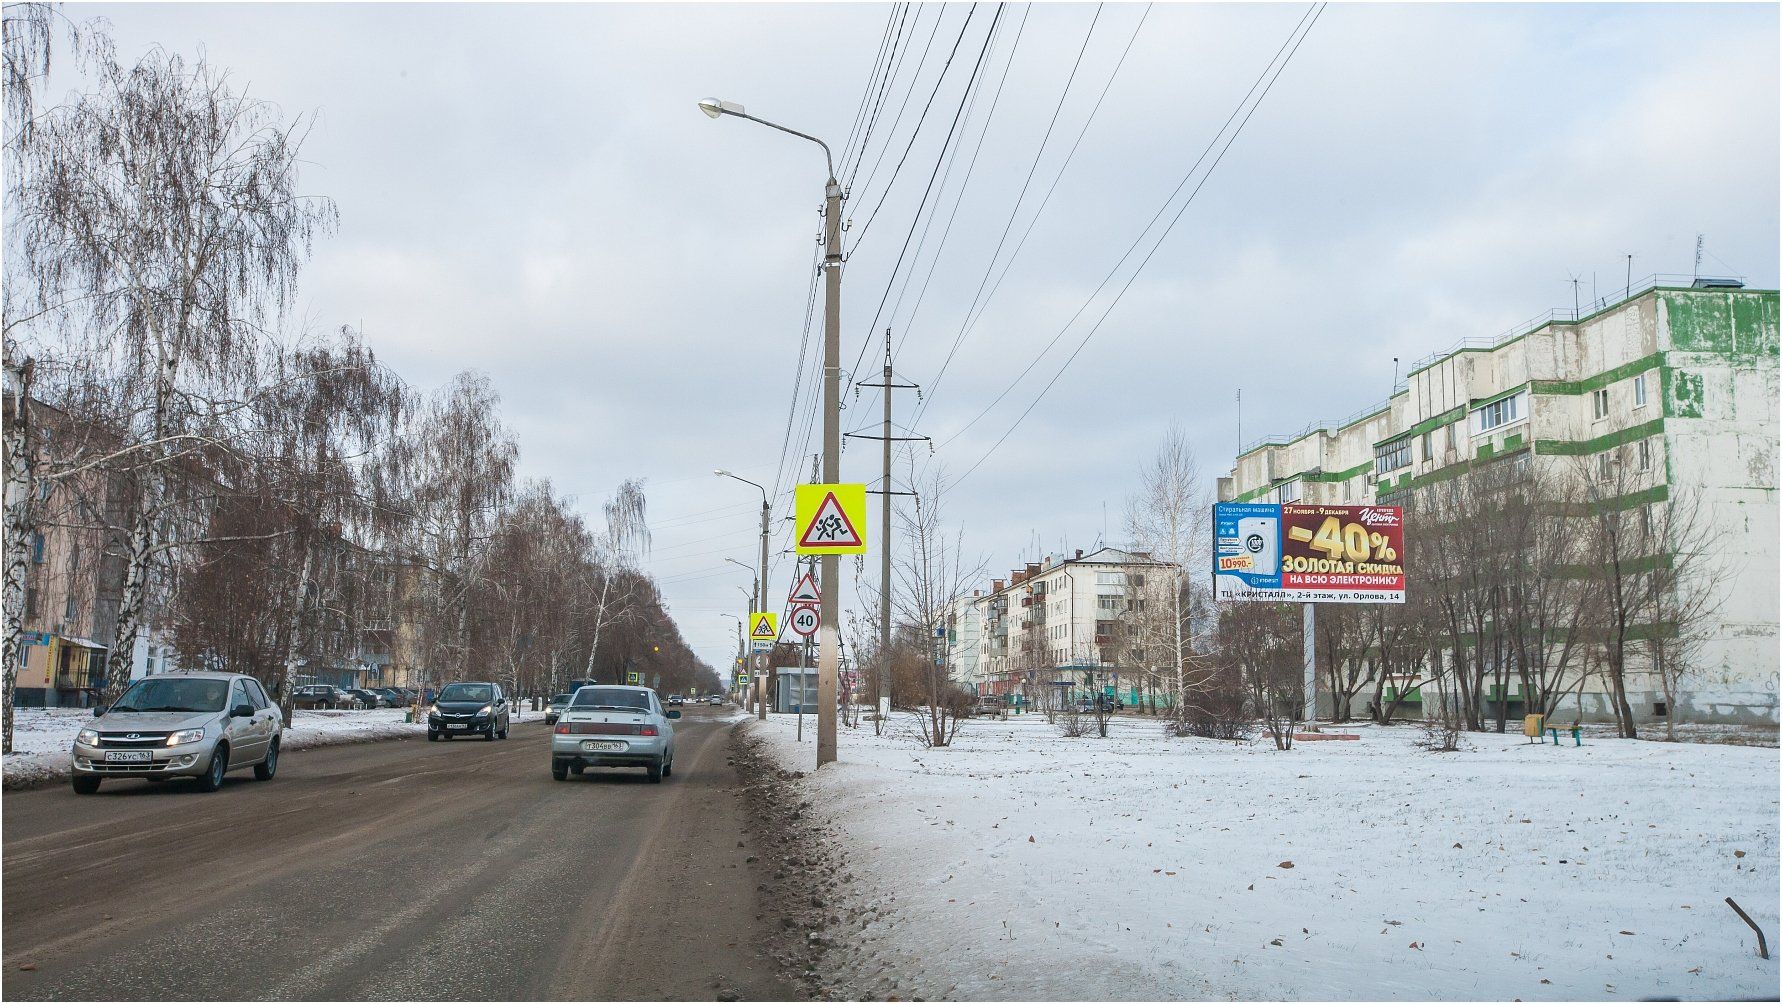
[
  {"x": 1260, "y": 538},
  {"x": 1255, "y": 535}
]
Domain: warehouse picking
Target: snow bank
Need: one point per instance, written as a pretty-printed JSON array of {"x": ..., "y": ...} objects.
[
  {"x": 1021, "y": 865},
  {"x": 42, "y": 737}
]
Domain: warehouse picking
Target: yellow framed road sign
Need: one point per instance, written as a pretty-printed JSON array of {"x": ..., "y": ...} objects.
[
  {"x": 764, "y": 626},
  {"x": 831, "y": 519}
]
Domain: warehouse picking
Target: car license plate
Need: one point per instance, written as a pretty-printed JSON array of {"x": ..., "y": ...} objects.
[
  {"x": 128, "y": 756},
  {"x": 603, "y": 746},
  {"x": 457, "y": 726}
]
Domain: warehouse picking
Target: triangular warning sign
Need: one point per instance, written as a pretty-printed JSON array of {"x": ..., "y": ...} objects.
[
  {"x": 830, "y": 527},
  {"x": 764, "y": 628},
  {"x": 805, "y": 591}
]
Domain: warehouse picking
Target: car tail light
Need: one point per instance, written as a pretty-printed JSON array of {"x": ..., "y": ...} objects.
[
  {"x": 647, "y": 730},
  {"x": 562, "y": 730}
]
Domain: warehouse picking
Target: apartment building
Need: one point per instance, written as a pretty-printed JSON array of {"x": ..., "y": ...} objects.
[
  {"x": 1673, "y": 388},
  {"x": 1075, "y": 623}
]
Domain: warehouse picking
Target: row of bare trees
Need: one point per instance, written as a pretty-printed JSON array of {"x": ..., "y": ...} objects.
[
  {"x": 1564, "y": 581},
  {"x": 279, "y": 500}
]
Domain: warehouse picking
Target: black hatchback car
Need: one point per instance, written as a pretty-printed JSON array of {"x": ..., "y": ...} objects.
[{"x": 468, "y": 709}]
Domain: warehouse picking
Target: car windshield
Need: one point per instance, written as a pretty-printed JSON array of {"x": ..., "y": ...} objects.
[
  {"x": 174, "y": 695},
  {"x": 611, "y": 698},
  {"x": 560, "y": 699},
  {"x": 468, "y": 692}
]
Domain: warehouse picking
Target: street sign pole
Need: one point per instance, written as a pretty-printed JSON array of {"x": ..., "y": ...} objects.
[{"x": 829, "y": 651}]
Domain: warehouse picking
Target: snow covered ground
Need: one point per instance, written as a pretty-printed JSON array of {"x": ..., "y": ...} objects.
[
  {"x": 42, "y": 737},
  {"x": 1022, "y": 865}
]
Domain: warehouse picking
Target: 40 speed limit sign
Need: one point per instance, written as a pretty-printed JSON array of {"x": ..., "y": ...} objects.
[{"x": 804, "y": 620}]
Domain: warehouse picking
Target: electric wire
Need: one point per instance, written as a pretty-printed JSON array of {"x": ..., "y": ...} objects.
[{"x": 1315, "y": 13}]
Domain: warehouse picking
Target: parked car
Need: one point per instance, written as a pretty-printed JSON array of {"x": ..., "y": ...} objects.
[
  {"x": 392, "y": 697},
  {"x": 611, "y": 726},
  {"x": 469, "y": 709},
  {"x": 990, "y": 705},
  {"x": 554, "y": 708},
  {"x": 322, "y": 695},
  {"x": 1099, "y": 703},
  {"x": 368, "y": 698},
  {"x": 199, "y": 725}
]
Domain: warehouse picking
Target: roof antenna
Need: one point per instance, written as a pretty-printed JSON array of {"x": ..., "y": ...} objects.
[
  {"x": 1575, "y": 280},
  {"x": 1698, "y": 257}
]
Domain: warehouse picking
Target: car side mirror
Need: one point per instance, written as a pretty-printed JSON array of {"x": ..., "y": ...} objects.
[
  {"x": 99, "y": 712},
  {"x": 242, "y": 711},
  {"x": 674, "y": 714}
]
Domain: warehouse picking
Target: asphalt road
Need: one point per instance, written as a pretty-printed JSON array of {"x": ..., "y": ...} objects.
[{"x": 392, "y": 870}]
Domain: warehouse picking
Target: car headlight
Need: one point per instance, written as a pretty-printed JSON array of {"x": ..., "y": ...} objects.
[
  {"x": 184, "y": 736},
  {"x": 485, "y": 709},
  {"x": 434, "y": 710},
  {"x": 87, "y": 737}
]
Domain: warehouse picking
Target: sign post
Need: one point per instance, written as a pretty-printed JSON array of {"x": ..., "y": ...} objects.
[{"x": 830, "y": 521}]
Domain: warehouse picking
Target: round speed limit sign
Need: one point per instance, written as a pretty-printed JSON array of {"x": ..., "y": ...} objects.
[{"x": 804, "y": 620}]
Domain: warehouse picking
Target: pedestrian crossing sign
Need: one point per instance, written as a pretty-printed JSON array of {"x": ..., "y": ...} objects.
[
  {"x": 764, "y": 626},
  {"x": 831, "y": 519},
  {"x": 634, "y": 679}
]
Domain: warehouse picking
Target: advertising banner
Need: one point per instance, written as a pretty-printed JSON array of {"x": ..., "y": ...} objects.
[{"x": 1308, "y": 553}]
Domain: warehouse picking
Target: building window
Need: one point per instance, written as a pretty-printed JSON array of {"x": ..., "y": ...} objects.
[
  {"x": 30, "y": 602},
  {"x": 1599, "y": 404},
  {"x": 1498, "y": 414},
  {"x": 68, "y": 609},
  {"x": 1645, "y": 454},
  {"x": 1389, "y": 457},
  {"x": 37, "y": 549},
  {"x": 1640, "y": 391},
  {"x": 1605, "y": 465},
  {"x": 1289, "y": 492}
]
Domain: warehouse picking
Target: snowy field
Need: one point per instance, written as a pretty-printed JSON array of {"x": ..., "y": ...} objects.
[
  {"x": 1022, "y": 865},
  {"x": 42, "y": 737}
]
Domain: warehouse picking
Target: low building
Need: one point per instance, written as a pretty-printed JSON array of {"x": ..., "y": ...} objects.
[{"x": 1670, "y": 389}]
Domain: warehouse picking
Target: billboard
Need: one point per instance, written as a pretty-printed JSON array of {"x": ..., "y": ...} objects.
[{"x": 1308, "y": 553}]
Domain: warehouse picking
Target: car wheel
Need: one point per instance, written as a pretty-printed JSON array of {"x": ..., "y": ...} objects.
[
  {"x": 265, "y": 769},
  {"x": 655, "y": 773},
  {"x": 432, "y": 736},
  {"x": 559, "y": 772},
  {"x": 84, "y": 784},
  {"x": 212, "y": 779},
  {"x": 668, "y": 768},
  {"x": 490, "y": 736}
]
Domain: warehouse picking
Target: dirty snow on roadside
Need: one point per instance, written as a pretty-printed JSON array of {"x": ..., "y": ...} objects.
[
  {"x": 1021, "y": 865},
  {"x": 42, "y": 737}
]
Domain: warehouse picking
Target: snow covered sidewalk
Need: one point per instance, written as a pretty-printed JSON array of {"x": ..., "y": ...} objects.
[
  {"x": 1021, "y": 865},
  {"x": 42, "y": 737}
]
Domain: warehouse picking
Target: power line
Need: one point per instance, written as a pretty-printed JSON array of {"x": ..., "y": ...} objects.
[
  {"x": 929, "y": 189},
  {"x": 970, "y": 322},
  {"x": 893, "y": 67},
  {"x": 1314, "y": 13},
  {"x": 940, "y": 14},
  {"x": 878, "y": 60},
  {"x": 917, "y": 131}
]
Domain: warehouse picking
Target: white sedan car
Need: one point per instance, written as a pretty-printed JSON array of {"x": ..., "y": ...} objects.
[{"x": 613, "y": 726}]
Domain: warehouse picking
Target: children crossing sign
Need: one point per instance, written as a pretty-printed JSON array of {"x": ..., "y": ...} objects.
[
  {"x": 831, "y": 519},
  {"x": 764, "y": 626}
]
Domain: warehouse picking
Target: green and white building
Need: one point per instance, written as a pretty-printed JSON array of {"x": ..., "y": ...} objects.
[{"x": 1678, "y": 381}]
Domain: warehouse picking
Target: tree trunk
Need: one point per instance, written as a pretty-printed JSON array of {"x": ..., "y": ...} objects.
[
  {"x": 20, "y": 523},
  {"x": 130, "y": 605},
  {"x": 287, "y": 698}
]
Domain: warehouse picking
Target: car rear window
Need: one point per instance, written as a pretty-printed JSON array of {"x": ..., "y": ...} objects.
[{"x": 611, "y": 697}]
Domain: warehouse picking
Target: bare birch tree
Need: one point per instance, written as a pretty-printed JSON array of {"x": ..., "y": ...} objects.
[{"x": 1168, "y": 518}]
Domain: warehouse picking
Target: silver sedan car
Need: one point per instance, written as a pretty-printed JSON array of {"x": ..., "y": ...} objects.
[
  {"x": 199, "y": 725},
  {"x": 612, "y": 726}
]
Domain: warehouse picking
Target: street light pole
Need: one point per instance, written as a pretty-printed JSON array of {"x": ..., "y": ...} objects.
[
  {"x": 829, "y": 634},
  {"x": 761, "y": 577}
]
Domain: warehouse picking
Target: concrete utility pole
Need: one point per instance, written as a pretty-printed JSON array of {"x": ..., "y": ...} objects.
[
  {"x": 759, "y": 601},
  {"x": 886, "y": 383},
  {"x": 830, "y": 631}
]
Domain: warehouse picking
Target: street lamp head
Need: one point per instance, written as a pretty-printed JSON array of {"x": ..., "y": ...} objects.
[
  {"x": 713, "y": 107},
  {"x": 721, "y": 472}
]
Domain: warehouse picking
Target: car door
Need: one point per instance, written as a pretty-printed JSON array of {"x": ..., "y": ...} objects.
[
  {"x": 665, "y": 725},
  {"x": 266, "y": 714},
  {"x": 245, "y": 742}
]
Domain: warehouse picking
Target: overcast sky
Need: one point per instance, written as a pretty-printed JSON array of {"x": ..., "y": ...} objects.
[{"x": 530, "y": 191}]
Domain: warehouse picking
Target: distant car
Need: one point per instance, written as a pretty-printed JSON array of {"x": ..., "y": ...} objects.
[
  {"x": 199, "y": 725},
  {"x": 322, "y": 695},
  {"x": 612, "y": 726},
  {"x": 392, "y": 697},
  {"x": 714, "y": 699},
  {"x": 989, "y": 706},
  {"x": 469, "y": 709},
  {"x": 1101, "y": 703},
  {"x": 368, "y": 698},
  {"x": 675, "y": 700},
  {"x": 554, "y": 708}
]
